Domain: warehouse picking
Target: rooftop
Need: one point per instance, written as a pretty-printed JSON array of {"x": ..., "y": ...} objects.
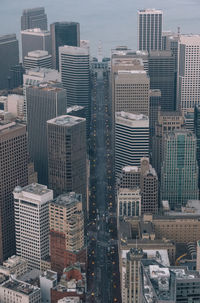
[
  {"x": 21, "y": 287},
  {"x": 6, "y": 126},
  {"x": 66, "y": 120},
  {"x": 69, "y": 300},
  {"x": 150, "y": 11},
  {"x": 184, "y": 273},
  {"x": 74, "y": 50},
  {"x": 67, "y": 199},
  {"x": 131, "y": 117},
  {"x": 49, "y": 275},
  {"x": 37, "y": 54},
  {"x": 14, "y": 261},
  {"x": 74, "y": 108},
  {"x": 34, "y": 188},
  {"x": 129, "y": 169},
  {"x": 36, "y": 31}
]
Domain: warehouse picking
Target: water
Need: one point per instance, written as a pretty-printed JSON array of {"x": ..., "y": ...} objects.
[{"x": 114, "y": 22}]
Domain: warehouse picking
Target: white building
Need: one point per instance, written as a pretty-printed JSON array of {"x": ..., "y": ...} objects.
[
  {"x": 48, "y": 280},
  {"x": 69, "y": 300},
  {"x": 19, "y": 292},
  {"x": 131, "y": 139},
  {"x": 128, "y": 202},
  {"x": 32, "y": 223},
  {"x": 15, "y": 265},
  {"x": 38, "y": 58},
  {"x": 15, "y": 105},
  {"x": 189, "y": 72},
  {"x": 150, "y": 29}
]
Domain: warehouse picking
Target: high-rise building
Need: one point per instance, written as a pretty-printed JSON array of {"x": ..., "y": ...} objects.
[
  {"x": 129, "y": 177},
  {"x": 66, "y": 137},
  {"x": 128, "y": 202},
  {"x": 188, "y": 72},
  {"x": 16, "y": 76},
  {"x": 38, "y": 58},
  {"x": 75, "y": 75},
  {"x": 154, "y": 107},
  {"x": 197, "y": 133},
  {"x": 34, "y": 18},
  {"x": 179, "y": 174},
  {"x": 67, "y": 245},
  {"x": 9, "y": 56},
  {"x": 161, "y": 73},
  {"x": 131, "y": 290},
  {"x": 131, "y": 91},
  {"x": 167, "y": 122},
  {"x": 131, "y": 139},
  {"x": 148, "y": 187},
  {"x": 35, "y": 39},
  {"x": 13, "y": 172},
  {"x": 44, "y": 101},
  {"x": 63, "y": 33},
  {"x": 35, "y": 76},
  {"x": 150, "y": 29},
  {"x": 31, "y": 207}
]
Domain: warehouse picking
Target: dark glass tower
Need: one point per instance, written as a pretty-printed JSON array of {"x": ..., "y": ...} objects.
[
  {"x": 63, "y": 33},
  {"x": 197, "y": 133}
]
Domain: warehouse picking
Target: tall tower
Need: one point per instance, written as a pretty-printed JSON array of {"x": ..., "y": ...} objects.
[
  {"x": 44, "y": 101},
  {"x": 150, "y": 29},
  {"x": 9, "y": 56},
  {"x": 31, "y": 206},
  {"x": 66, "y": 136},
  {"x": 34, "y": 18},
  {"x": 13, "y": 172},
  {"x": 179, "y": 174},
  {"x": 162, "y": 73},
  {"x": 197, "y": 133},
  {"x": 38, "y": 58},
  {"x": 75, "y": 75},
  {"x": 188, "y": 72},
  {"x": 131, "y": 139},
  {"x": 66, "y": 219},
  {"x": 35, "y": 39},
  {"x": 63, "y": 33}
]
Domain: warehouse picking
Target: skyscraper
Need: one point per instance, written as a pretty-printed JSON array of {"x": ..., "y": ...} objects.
[
  {"x": 154, "y": 106},
  {"x": 150, "y": 29},
  {"x": 13, "y": 172},
  {"x": 75, "y": 75},
  {"x": 63, "y": 33},
  {"x": 31, "y": 206},
  {"x": 38, "y": 58},
  {"x": 188, "y": 72},
  {"x": 179, "y": 174},
  {"x": 34, "y": 18},
  {"x": 197, "y": 133},
  {"x": 67, "y": 245},
  {"x": 9, "y": 56},
  {"x": 66, "y": 136},
  {"x": 131, "y": 139},
  {"x": 161, "y": 73},
  {"x": 44, "y": 101},
  {"x": 35, "y": 39}
]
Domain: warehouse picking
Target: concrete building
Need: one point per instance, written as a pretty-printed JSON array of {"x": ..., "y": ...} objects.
[
  {"x": 18, "y": 291},
  {"x": 75, "y": 75},
  {"x": 162, "y": 73},
  {"x": 15, "y": 106},
  {"x": 44, "y": 101},
  {"x": 131, "y": 139},
  {"x": 32, "y": 223},
  {"x": 63, "y": 33},
  {"x": 67, "y": 167},
  {"x": 129, "y": 177},
  {"x": 188, "y": 71},
  {"x": 158, "y": 282},
  {"x": 14, "y": 265},
  {"x": 67, "y": 245},
  {"x": 48, "y": 280},
  {"x": 167, "y": 122},
  {"x": 34, "y": 18},
  {"x": 198, "y": 256},
  {"x": 131, "y": 91},
  {"x": 179, "y": 173},
  {"x": 150, "y": 29},
  {"x": 128, "y": 202},
  {"x": 13, "y": 172},
  {"x": 35, "y": 39},
  {"x": 38, "y": 58},
  {"x": 16, "y": 76},
  {"x": 35, "y": 76},
  {"x": 9, "y": 56}
]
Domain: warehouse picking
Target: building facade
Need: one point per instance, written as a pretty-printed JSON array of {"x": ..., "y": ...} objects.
[
  {"x": 32, "y": 223},
  {"x": 66, "y": 136},
  {"x": 34, "y": 18},
  {"x": 13, "y": 172},
  {"x": 128, "y": 202},
  {"x": 150, "y": 29},
  {"x": 63, "y": 33},
  {"x": 38, "y": 58},
  {"x": 179, "y": 173}
]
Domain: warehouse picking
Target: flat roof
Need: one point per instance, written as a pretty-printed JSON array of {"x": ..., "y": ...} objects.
[
  {"x": 67, "y": 199},
  {"x": 66, "y": 120},
  {"x": 34, "y": 188},
  {"x": 131, "y": 117},
  {"x": 21, "y": 287}
]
